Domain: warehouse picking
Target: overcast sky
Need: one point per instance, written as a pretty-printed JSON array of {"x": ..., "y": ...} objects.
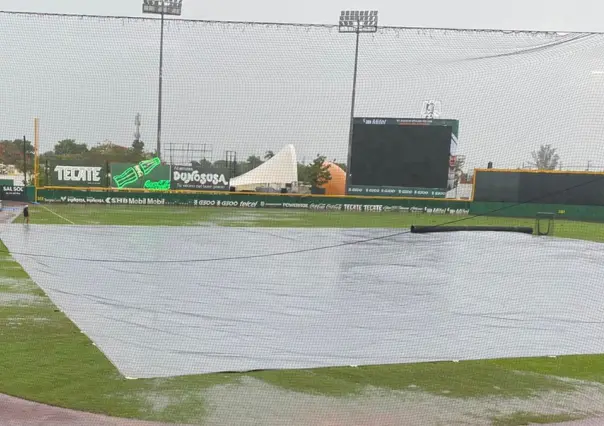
[
  {"x": 250, "y": 89},
  {"x": 559, "y": 15}
]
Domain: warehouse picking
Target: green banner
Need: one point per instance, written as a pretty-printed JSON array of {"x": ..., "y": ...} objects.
[
  {"x": 392, "y": 191},
  {"x": 13, "y": 193},
  {"x": 230, "y": 200},
  {"x": 76, "y": 173},
  {"x": 148, "y": 174}
]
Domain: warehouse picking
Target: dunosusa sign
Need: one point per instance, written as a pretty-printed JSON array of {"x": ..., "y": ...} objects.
[{"x": 209, "y": 179}]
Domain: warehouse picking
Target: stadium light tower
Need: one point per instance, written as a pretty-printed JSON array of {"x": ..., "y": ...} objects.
[
  {"x": 356, "y": 22},
  {"x": 163, "y": 8}
]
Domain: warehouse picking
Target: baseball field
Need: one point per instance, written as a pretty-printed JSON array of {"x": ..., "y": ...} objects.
[{"x": 46, "y": 358}]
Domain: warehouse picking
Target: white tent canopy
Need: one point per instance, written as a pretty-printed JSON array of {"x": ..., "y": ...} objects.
[{"x": 280, "y": 170}]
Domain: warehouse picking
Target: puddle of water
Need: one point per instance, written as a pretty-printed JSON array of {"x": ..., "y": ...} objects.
[{"x": 253, "y": 402}]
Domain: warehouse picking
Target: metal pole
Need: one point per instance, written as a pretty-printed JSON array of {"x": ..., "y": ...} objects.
[
  {"x": 354, "y": 90},
  {"x": 161, "y": 72},
  {"x": 36, "y": 153},
  {"x": 24, "y": 163}
]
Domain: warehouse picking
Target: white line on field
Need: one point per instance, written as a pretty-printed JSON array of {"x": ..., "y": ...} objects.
[{"x": 57, "y": 214}]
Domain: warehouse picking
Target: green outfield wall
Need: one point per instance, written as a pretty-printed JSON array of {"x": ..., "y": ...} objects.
[
  {"x": 254, "y": 200},
  {"x": 584, "y": 213},
  {"x": 313, "y": 202}
]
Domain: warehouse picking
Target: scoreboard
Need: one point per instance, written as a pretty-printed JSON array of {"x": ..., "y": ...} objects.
[{"x": 401, "y": 156}]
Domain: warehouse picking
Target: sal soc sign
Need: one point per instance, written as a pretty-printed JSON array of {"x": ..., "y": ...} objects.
[{"x": 13, "y": 193}]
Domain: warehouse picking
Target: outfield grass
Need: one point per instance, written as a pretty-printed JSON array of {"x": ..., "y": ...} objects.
[
  {"x": 187, "y": 216},
  {"x": 45, "y": 358}
]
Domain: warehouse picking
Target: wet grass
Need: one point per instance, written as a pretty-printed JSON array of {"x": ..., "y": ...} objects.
[
  {"x": 523, "y": 418},
  {"x": 191, "y": 216},
  {"x": 45, "y": 358},
  {"x": 470, "y": 379}
]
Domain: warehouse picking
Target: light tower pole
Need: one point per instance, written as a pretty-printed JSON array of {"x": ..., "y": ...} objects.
[
  {"x": 356, "y": 22},
  {"x": 163, "y": 8}
]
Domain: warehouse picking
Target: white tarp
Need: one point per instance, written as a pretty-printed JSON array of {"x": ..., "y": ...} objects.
[
  {"x": 158, "y": 301},
  {"x": 281, "y": 169}
]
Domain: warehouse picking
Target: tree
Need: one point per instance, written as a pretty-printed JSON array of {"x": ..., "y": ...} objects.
[
  {"x": 303, "y": 173},
  {"x": 138, "y": 146},
  {"x": 220, "y": 164},
  {"x": 206, "y": 164},
  {"x": 318, "y": 173},
  {"x": 545, "y": 158},
  {"x": 268, "y": 155},
  {"x": 460, "y": 162},
  {"x": 11, "y": 153},
  {"x": 70, "y": 147},
  {"x": 253, "y": 161},
  {"x": 343, "y": 166},
  {"x": 110, "y": 152}
]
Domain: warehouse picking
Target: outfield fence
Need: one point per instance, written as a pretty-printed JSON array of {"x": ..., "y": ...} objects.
[
  {"x": 301, "y": 202},
  {"x": 251, "y": 200}
]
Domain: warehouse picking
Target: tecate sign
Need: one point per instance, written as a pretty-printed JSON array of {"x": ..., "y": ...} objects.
[{"x": 78, "y": 174}]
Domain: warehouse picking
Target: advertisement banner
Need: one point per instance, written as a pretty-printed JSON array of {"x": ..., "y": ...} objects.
[
  {"x": 148, "y": 174},
  {"x": 387, "y": 191},
  {"x": 69, "y": 173},
  {"x": 287, "y": 202},
  {"x": 202, "y": 179},
  {"x": 13, "y": 193}
]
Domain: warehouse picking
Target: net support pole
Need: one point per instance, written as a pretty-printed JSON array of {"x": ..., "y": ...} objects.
[
  {"x": 161, "y": 78},
  {"x": 24, "y": 161},
  {"x": 352, "y": 105},
  {"x": 36, "y": 155}
]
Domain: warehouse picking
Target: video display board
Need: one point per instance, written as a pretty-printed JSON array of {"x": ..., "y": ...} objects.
[{"x": 401, "y": 157}]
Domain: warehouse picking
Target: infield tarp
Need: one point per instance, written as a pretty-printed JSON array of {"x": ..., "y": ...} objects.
[{"x": 161, "y": 306}]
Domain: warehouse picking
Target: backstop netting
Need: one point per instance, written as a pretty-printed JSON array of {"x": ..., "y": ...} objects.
[
  {"x": 251, "y": 88},
  {"x": 177, "y": 290}
]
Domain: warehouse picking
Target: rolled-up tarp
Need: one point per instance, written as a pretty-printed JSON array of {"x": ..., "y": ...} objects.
[{"x": 438, "y": 228}]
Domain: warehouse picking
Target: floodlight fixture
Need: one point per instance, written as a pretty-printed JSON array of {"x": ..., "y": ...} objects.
[
  {"x": 358, "y": 21},
  {"x": 163, "y": 7}
]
